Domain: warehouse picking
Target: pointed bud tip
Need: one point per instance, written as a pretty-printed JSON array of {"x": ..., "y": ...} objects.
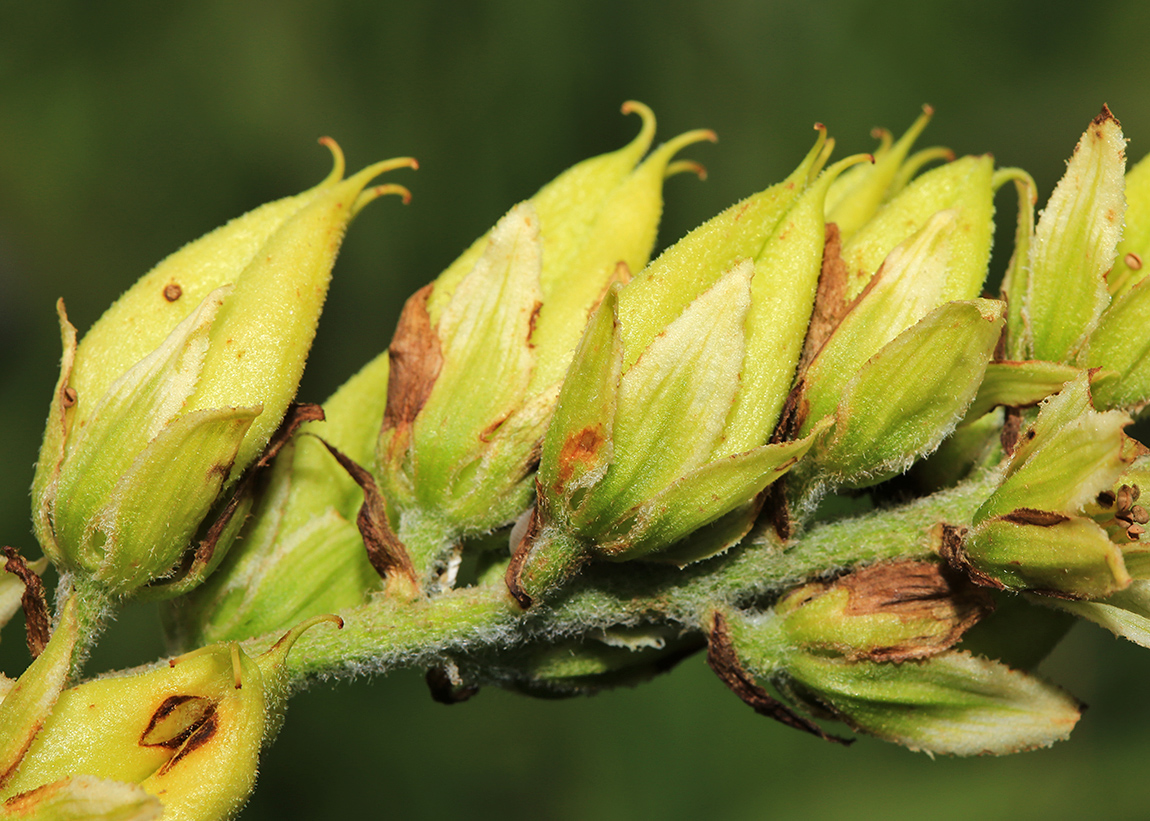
[{"x": 1105, "y": 115}]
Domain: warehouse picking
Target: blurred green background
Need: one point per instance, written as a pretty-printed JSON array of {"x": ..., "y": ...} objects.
[{"x": 129, "y": 128}]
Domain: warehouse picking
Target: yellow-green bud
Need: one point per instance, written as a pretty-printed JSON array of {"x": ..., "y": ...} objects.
[
  {"x": 966, "y": 187},
  {"x": 188, "y": 732},
  {"x": 133, "y": 460},
  {"x": 1074, "y": 245},
  {"x": 886, "y": 612},
  {"x": 479, "y": 354},
  {"x": 663, "y": 422},
  {"x": 901, "y": 367}
]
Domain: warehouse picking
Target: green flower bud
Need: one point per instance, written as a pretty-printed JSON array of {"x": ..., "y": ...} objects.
[
  {"x": 188, "y": 732},
  {"x": 873, "y": 650},
  {"x": 663, "y": 421},
  {"x": 1036, "y": 531},
  {"x": 900, "y": 368},
  {"x": 479, "y": 355},
  {"x": 134, "y": 460},
  {"x": 1073, "y": 247},
  {"x": 301, "y": 553}
]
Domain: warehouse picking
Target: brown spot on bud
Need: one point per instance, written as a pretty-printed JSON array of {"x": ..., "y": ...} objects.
[
  {"x": 415, "y": 362},
  {"x": 831, "y": 303},
  {"x": 914, "y": 591},
  {"x": 172, "y": 292},
  {"x": 535, "y": 309},
  {"x": 1031, "y": 516},
  {"x": 581, "y": 449},
  {"x": 68, "y": 396},
  {"x": 175, "y": 720},
  {"x": 1104, "y": 115},
  {"x": 1133, "y": 261}
]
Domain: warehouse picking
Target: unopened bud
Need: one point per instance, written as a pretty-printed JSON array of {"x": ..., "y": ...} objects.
[{"x": 133, "y": 461}]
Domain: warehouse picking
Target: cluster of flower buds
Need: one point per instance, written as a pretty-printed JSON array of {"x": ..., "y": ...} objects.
[
  {"x": 449, "y": 420},
  {"x": 827, "y": 332},
  {"x": 763, "y": 343},
  {"x": 179, "y": 387}
]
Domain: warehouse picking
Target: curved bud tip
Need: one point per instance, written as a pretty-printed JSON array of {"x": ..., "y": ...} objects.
[
  {"x": 375, "y": 192},
  {"x": 338, "y": 165},
  {"x": 685, "y": 167},
  {"x": 647, "y": 132},
  {"x": 883, "y": 135}
]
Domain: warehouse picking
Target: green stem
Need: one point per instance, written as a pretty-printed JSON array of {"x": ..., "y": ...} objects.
[{"x": 384, "y": 635}]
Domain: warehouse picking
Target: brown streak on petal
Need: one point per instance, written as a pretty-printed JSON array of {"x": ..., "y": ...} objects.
[
  {"x": 33, "y": 600},
  {"x": 724, "y": 660},
  {"x": 385, "y": 551},
  {"x": 1011, "y": 425},
  {"x": 520, "y": 554},
  {"x": 1030, "y": 516},
  {"x": 792, "y": 416},
  {"x": 415, "y": 358},
  {"x": 149, "y": 737},
  {"x": 201, "y": 735},
  {"x": 831, "y": 304},
  {"x": 778, "y": 510},
  {"x": 535, "y": 309}
]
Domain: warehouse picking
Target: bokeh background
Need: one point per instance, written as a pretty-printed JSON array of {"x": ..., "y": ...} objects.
[{"x": 129, "y": 128}]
